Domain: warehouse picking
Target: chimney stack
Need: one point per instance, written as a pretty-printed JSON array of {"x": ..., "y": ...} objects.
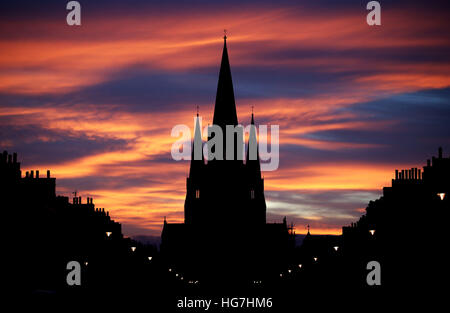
[
  {"x": 31, "y": 174},
  {"x": 48, "y": 173},
  {"x": 79, "y": 200},
  {"x": 37, "y": 174},
  {"x": 419, "y": 173},
  {"x": 396, "y": 174},
  {"x": 26, "y": 174}
]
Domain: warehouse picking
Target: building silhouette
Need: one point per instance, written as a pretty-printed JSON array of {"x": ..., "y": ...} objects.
[
  {"x": 405, "y": 231},
  {"x": 225, "y": 236},
  {"x": 45, "y": 231}
]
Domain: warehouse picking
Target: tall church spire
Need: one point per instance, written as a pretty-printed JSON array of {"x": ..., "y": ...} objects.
[{"x": 225, "y": 107}]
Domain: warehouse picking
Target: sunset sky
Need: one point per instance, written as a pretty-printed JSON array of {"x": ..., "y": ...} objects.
[{"x": 96, "y": 103}]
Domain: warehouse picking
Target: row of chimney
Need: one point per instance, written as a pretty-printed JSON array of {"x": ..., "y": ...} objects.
[
  {"x": 102, "y": 210},
  {"x": 31, "y": 174},
  {"x": 411, "y": 174},
  {"x": 77, "y": 200},
  {"x": 8, "y": 158}
]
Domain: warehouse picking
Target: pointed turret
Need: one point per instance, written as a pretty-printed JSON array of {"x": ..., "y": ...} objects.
[
  {"x": 252, "y": 160},
  {"x": 197, "y": 159},
  {"x": 225, "y": 107}
]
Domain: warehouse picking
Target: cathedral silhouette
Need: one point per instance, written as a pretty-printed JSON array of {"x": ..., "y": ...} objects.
[{"x": 225, "y": 209}]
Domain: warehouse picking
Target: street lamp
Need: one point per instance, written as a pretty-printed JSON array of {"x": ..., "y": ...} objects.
[
  {"x": 108, "y": 234},
  {"x": 372, "y": 232},
  {"x": 336, "y": 248},
  {"x": 133, "y": 248},
  {"x": 150, "y": 258},
  {"x": 441, "y": 195},
  {"x": 299, "y": 266},
  {"x": 315, "y": 259}
]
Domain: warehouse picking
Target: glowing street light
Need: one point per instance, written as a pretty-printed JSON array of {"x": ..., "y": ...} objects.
[
  {"x": 170, "y": 270},
  {"x": 441, "y": 195},
  {"x": 336, "y": 248},
  {"x": 299, "y": 266},
  {"x": 372, "y": 232},
  {"x": 150, "y": 258},
  {"x": 133, "y": 249},
  {"x": 108, "y": 234},
  {"x": 315, "y": 259},
  {"x": 86, "y": 263},
  {"x": 289, "y": 271}
]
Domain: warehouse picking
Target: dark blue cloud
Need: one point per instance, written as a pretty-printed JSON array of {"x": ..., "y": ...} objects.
[
  {"x": 37, "y": 145},
  {"x": 419, "y": 123}
]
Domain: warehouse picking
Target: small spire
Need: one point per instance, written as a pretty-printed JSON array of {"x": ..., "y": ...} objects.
[
  {"x": 308, "y": 230},
  {"x": 197, "y": 110},
  {"x": 253, "y": 120},
  {"x": 225, "y": 34}
]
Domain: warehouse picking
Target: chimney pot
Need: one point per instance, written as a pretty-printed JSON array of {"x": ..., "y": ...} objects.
[
  {"x": 37, "y": 174},
  {"x": 48, "y": 173},
  {"x": 31, "y": 174},
  {"x": 396, "y": 174},
  {"x": 26, "y": 174}
]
